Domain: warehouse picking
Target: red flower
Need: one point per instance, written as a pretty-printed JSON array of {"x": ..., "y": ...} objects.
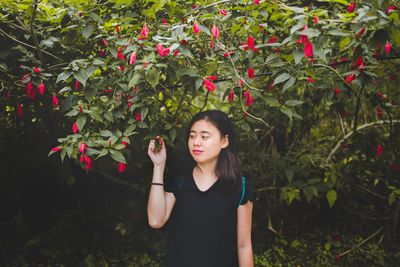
[
  {"x": 196, "y": 27},
  {"x": 379, "y": 113},
  {"x": 350, "y": 78},
  {"x": 30, "y": 91},
  {"x": 36, "y": 70},
  {"x": 210, "y": 86},
  {"x": 231, "y": 96},
  {"x": 223, "y": 12},
  {"x": 212, "y": 45},
  {"x": 132, "y": 58},
  {"x": 250, "y": 73},
  {"x": 212, "y": 77},
  {"x": 256, "y": 2},
  {"x": 41, "y": 88},
  {"x": 138, "y": 117},
  {"x": 144, "y": 33},
  {"x": 228, "y": 54},
  {"x": 20, "y": 111},
  {"x": 89, "y": 163},
  {"x": 164, "y": 21},
  {"x": 56, "y": 149},
  {"x": 122, "y": 68},
  {"x": 77, "y": 85},
  {"x": 249, "y": 98},
  {"x": 359, "y": 63},
  {"x": 55, "y": 100},
  {"x": 315, "y": 18},
  {"x": 125, "y": 143},
  {"x": 308, "y": 49},
  {"x": 82, "y": 148},
  {"x": 379, "y": 150},
  {"x": 117, "y": 29},
  {"x": 391, "y": 9},
  {"x": 250, "y": 43},
  {"x": 336, "y": 90},
  {"x": 121, "y": 167},
  {"x": 163, "y": 52},
  {"x": 215, "y": 31},
  {"x": 310, "y": 80},
  {"x": 176, "y": 52},
  {"x": 104, "y": 42},
  {"x": 75, "y": 128},
  {"x": 351, "y": 7},
  {"x": 388, "y": 47},
  {"x": 240, "y": 83},
  {"x": 121, "y": 56},
  {"x": 272, "y": 40}
]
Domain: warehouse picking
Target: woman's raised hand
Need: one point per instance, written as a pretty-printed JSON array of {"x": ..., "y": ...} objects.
[{"x": 157, "y": 151}]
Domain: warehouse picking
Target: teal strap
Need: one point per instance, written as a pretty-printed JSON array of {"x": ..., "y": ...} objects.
[{"x": 243, "y": 190}]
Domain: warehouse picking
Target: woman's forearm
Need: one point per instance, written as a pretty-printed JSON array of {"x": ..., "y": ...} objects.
[
  {"x": 245, "y": 254},
  {"x": 156, "y": 207}
]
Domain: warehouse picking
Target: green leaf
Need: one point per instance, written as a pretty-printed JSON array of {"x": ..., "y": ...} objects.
[
  {"x": 144, "y": 112},
  {"x": 289, "y": 83},
  {"x": 63, "y": 76},
  {"x": 152, "y": 76},
  {"x": 87, "y": 31},
  {"x": 336, "y": 32},
  {"x": 80, "y": 122},
  {"x": 331, "y": 197},
  {"x": 281, "y": 78},
  {"x": 310, "y": 33},
  {"x": 117, "y": 156},
  {"x": 293, "y": 103}
]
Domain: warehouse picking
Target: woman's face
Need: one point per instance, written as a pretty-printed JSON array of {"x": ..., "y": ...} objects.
[{"x": 205, "y": 142}]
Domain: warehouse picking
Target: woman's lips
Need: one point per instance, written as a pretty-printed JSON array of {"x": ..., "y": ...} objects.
[{"x": 196, "y": 151}]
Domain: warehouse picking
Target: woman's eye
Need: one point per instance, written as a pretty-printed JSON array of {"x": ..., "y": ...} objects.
[{"x": 205, "y": 137}]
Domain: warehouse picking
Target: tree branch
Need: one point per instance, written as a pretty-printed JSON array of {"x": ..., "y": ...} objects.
[
  {"x": 30, "y": 46},
  {"x": 32, "y": 30},
  {"x": 333, "y": 151}
]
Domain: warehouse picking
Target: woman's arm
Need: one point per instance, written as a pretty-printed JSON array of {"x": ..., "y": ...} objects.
[
  {"x": 245, "y": 248},
  {"x": 160, "y": 203}
]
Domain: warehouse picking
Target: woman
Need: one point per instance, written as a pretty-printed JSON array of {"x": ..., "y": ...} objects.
[{"x": 208, "y": 207}]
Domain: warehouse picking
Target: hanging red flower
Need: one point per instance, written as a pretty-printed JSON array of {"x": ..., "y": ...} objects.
[
  {"x": 121, "y": 167},
  {"x": 144, "y": 33},
  {"x": 210, "y": 86},
  {"x": 351, "y": 7},
  {"x": 196, "y": 27},
  {"x": 41, "y": 88},
  {"x": 388, "y": 47},
  {"x": 308, "y": 49},
  {"x": 215, "y": 31},
  {"x": 132, "y": 58},
  {"x": 231, "y": 96},
  {"x": 20, "y": 111},
  {"x": 250, "y": 73},
  {"x": 379, "y": 150},
  {"x": 350, "y": 78},
  {"x": 75, "y": 128},
  {"x": 55, "y": 101}
]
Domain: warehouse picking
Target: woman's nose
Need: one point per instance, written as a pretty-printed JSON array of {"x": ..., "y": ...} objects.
[{"x": 196, "y": 141}]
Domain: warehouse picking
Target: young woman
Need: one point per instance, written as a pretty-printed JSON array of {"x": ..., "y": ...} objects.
[{"x": 208, "y": 206}]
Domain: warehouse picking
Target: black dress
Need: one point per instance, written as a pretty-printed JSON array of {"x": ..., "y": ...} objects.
[{"x": 202, "y": 227}]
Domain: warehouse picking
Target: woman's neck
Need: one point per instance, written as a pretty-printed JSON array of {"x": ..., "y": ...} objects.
[{"x": 207, "y": 170}]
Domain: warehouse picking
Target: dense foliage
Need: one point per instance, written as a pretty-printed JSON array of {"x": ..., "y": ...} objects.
[{"x": 311, "y": 86}]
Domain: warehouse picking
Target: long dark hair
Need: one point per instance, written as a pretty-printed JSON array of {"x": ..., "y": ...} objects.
[{"x": 228, "y": 166}]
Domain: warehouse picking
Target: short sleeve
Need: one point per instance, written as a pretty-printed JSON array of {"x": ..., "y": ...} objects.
[
  {"x": 170, "y": 184},
  {"x": 248, "y": 192}
]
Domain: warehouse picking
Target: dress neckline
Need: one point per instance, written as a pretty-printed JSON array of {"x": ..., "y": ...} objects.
[{"x": 208, "y": 189}]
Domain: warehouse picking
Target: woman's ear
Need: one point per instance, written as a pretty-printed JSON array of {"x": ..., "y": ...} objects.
[{"x": 225, "y": 141}]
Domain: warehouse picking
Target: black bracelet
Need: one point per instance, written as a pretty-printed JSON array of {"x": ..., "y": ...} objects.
[{"x": 157, "y": 184}]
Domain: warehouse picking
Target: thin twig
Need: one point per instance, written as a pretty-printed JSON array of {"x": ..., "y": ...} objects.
[
  {"x": 28, "y": 45},
  {"x": 361, "y": 243},
  {"x": 333, "y": 151},
  {"x": 32, "y": 30}
]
